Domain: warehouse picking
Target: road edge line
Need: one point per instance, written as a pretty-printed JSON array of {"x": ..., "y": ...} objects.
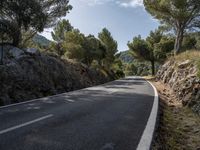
[{"x": 148, "y": 134}]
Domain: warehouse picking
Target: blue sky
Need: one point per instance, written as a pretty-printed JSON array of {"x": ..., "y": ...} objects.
[{"x": 123, "y": 18}]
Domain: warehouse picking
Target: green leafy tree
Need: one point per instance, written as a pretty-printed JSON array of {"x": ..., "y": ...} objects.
[
  {"x": 189, "y": 42},
  {"x": 179, "y": 15},
  {"x": 131, "y": 69},
  {"x": 94, "y": 50},
  {"x": 143, "y": 50},
  {"x": 61, "y": 28},
  {"x": 164, "y": 47},
  {"x": 73, "y": 44},
  {"x": 22, "y": 15},
  {"x": 111, "y": 47},
  {"x": 57, "y": 48},
  {"x": 58, "y": 35}
]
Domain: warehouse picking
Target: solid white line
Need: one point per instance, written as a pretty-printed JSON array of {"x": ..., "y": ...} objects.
[
  {"x": 70, "y": 100},
  {"x": 25, "y": 124},
  {"x": 147, "y": 136}
]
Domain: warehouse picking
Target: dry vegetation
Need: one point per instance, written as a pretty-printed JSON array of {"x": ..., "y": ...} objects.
[
  {"x": 179, "y": 127},
  {"x": 190, "y": 54},
  {"x": 193, "y": 55}
]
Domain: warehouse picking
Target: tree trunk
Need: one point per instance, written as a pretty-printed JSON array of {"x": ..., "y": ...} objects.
[
  {"x": 153, "y": 67},
  {"x": 16, "y": 36},
  {"x": 16, "y": 40},
  {"x": 178, "y": 41}
]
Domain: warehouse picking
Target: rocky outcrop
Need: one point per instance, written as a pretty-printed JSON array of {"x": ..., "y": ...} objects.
[
  {"x": 183, "y": 80},
  {"x": 27, "y": 75}
]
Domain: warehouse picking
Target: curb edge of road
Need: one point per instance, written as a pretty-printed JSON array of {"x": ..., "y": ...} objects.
[{"x": 148, "y": 133}]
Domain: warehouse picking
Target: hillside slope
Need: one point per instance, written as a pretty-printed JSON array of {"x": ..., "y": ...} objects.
[
  {"x": 126, "y": 57},
  {"x": 27, "y": 76},
  {"x": 182, "y": 75},
  {"x": 178, "y": 85},
  {"x": 41, "y": 40}
]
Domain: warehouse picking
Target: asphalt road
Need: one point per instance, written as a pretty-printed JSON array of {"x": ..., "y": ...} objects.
[{"x": 112, "y": 116}]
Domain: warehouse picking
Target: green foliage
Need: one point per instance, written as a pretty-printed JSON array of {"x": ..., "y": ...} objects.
[
  {"x": 99, "y": 53},
  {"x": 57, "y": 48},
  {"x": 145, "y": 49},
  {"x": 59, "y": 31},
  {"x": 37, "y": 41},
  {"x": 22, "y": 15},
  {"x": 73, "y": 44},
  {"x": 94, "y": 50},
  {"x": 179, "y": 15},
  {"x": 153, "y": 49},
  {"x": 140, "y": 49},
  {"x": 189, "y": 42},
  {"x": 198, "y": 40},
  {"x": 111, "y": 46},
  {"x": 130, "y": 69},
  {"x": 164, "y": 47},
  {"x": 137, "y": 68}
]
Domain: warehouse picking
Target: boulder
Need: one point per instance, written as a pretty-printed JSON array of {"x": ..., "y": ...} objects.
[
  {"x": 184, "y": 64},
  {"x": 11, "y": 52},
  {"x": 32, "y": 50}
]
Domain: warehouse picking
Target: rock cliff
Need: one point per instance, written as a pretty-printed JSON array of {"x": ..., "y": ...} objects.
[
  {"x": 183, "y": 79},
  {"x": 27, "y": 75}
]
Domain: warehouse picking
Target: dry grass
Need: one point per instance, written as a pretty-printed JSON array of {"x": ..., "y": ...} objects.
[
  {"x": 179, "y": 127},
  {"x": 193, "y": 55},
  {"x": 150, "y": 78}
]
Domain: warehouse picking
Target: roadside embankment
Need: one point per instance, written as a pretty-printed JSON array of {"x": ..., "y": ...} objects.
[
  {"x": 30, "y": 74},
  {"x": 178, "y": 85},
  {"x": 181, "y": 74},
  {"x": 178, "y": 126}
]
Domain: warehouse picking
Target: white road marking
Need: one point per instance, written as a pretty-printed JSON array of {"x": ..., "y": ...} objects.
[
  {"x": 70, "y": 100},
  {"x": 147, "y": 136},
  {"x": 25, "y": 124}
]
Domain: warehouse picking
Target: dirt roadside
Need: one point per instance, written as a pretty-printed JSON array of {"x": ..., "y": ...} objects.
[{"x": 178, "y": 127}]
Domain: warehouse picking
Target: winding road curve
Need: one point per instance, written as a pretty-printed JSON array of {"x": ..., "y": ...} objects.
[{"x": 119, "y": 115}]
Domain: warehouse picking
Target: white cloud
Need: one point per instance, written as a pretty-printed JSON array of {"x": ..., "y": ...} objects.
[
  {"x": 96, "y": 2},
  {"x": 122, "y": 3},
  {"x": 130, "y": 3}
]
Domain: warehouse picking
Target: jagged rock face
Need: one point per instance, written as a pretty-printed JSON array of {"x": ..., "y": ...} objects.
[
  {"x": 37, "y": 75},
  {"x": 182, "y": 78}
]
